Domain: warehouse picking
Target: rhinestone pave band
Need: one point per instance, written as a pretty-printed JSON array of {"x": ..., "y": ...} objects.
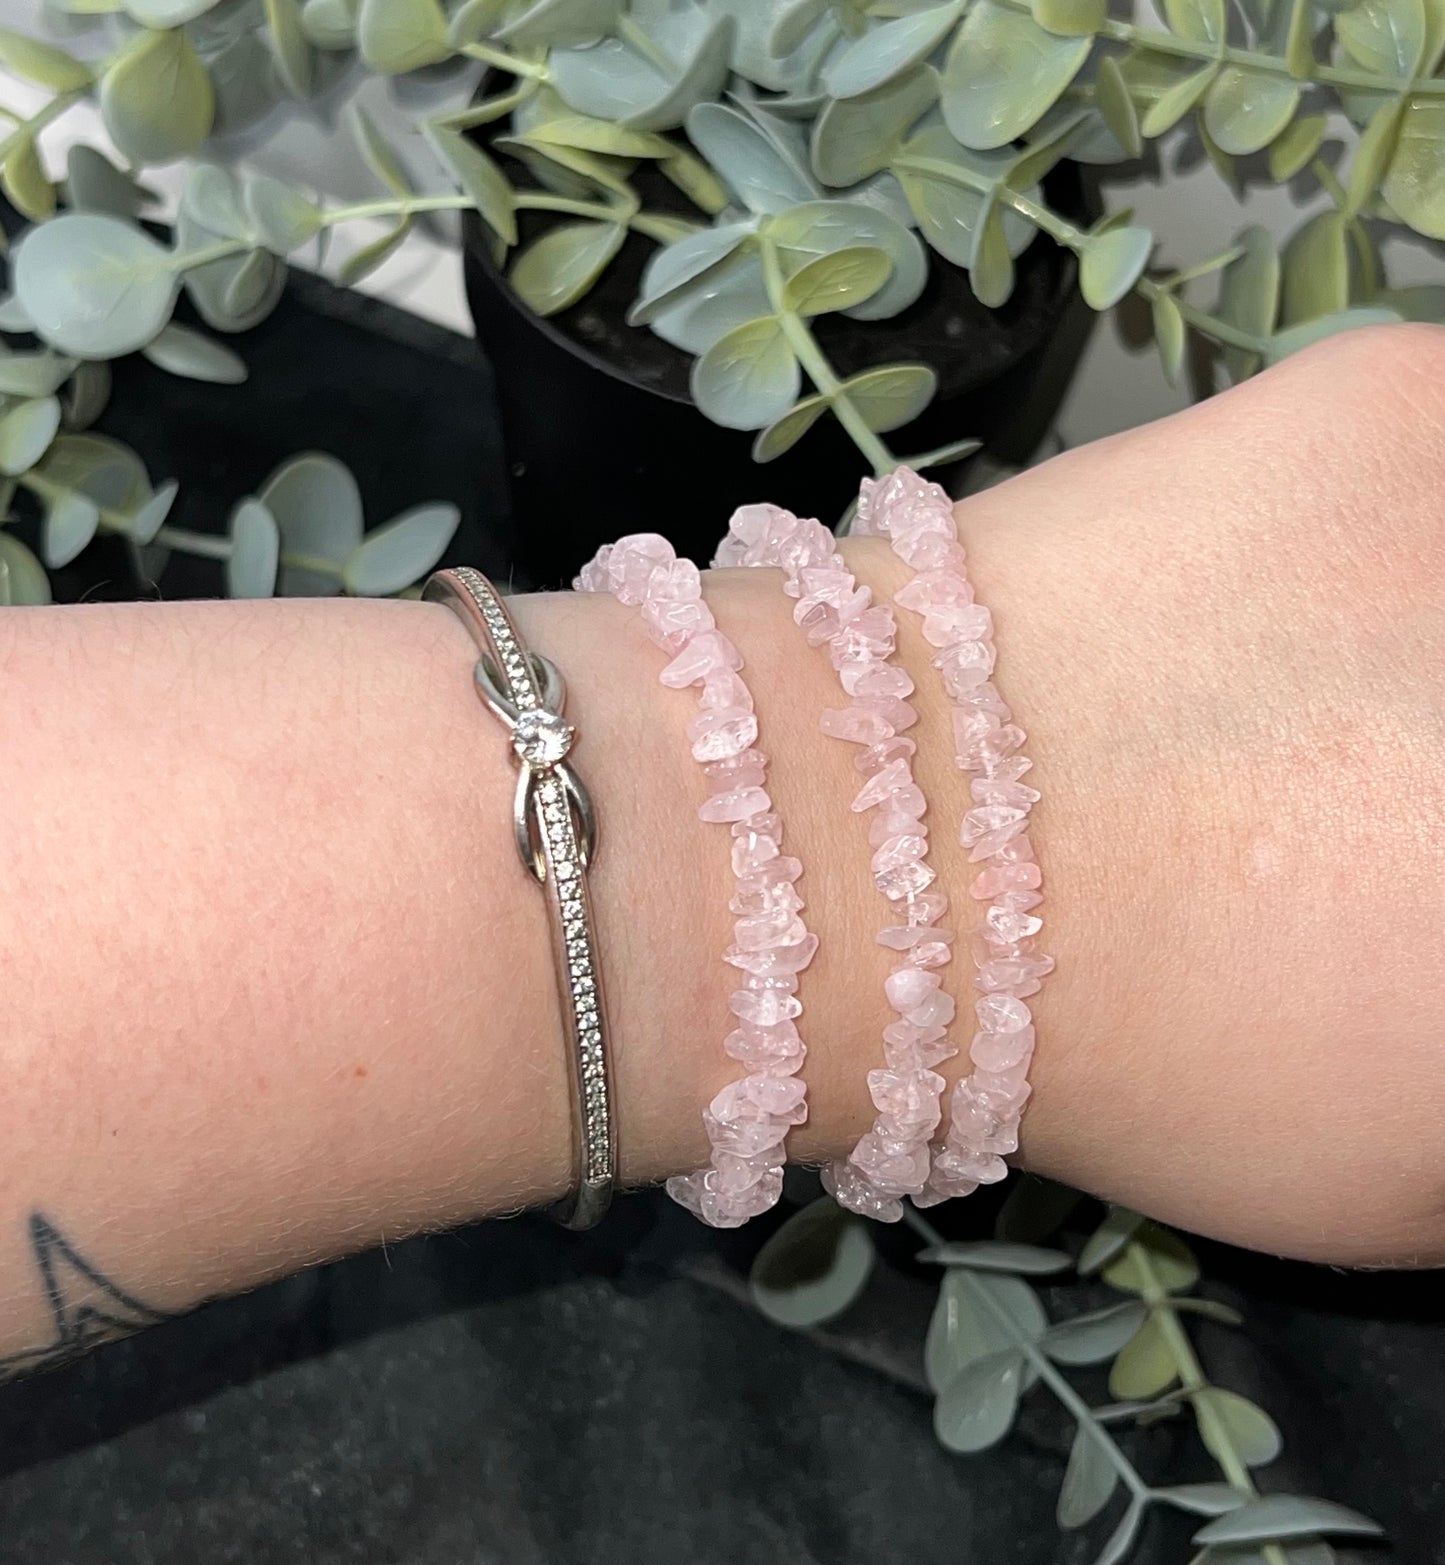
[{"x": 556, "y": 837}]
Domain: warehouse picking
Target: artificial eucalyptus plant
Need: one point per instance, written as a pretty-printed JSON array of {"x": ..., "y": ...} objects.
[
  {"x": 787, "y": 159},
  {"x": 814, "y": 156},
  {"x": 991, "y": 1342}
]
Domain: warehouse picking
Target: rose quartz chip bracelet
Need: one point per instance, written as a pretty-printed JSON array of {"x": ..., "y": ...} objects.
[
  {"x": 892, "y": 1160},
  {"x": 748, "y": 1121},
  {"x": 916, "y": 517}
]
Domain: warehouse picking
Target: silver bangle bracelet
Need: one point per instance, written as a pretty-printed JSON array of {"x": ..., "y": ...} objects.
[{"x": 555, "y": 832}]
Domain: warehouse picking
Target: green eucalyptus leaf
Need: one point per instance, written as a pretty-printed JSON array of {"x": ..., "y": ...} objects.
[
  {"x": 394, "y": 36},
  {"x": 164, "y": 13},
  {"x": 363, "y": 262},
  {"x": 148, "y": 520},
  {"x": 330, "y": 24},
  {"x": 556, "y": 23},
  {"x": 103, "y": 469},
  {"x": 824, "y": 227},
  {"x": 839, "y": 281},
  {"x": 26, "y": 430},
  {"x": 1089, "y": 1480},
  {"x": 13, "y": 315},
  {"x": 379, "y": 154},
  {"x": 1373, "y": 155},
  {"x": 22, "y": 576},
  {"x": 1244, "y": 109},
  {"x": 886, "y": 52},
  {"x": 1145, "y": 1365},
  {"x": 749, "y": 377},
  {"x": 1070, "y": 18},
  {"x": 891, "y": 396},
  {"x": 182, "y": 351},
  {"x": 976, "y": 1408},
  {"x": 754, "y": 168},
  {"x": 94, "y": 184},
  {"x": 784, "y": 433},
  {"x": 610, "y": 80},
  {"x": 727, "y": 296},
  {"x": 1296, "y": 147},
  {"x": 1112, "y": 262},
  {"x": 964, "y": 1330},
  {"x": 590, "y": 135},
  {"x": 1095, "y": 1337},
  {"x": 1385, "y": 36},
  {"x": 1003, "y": 73},
  {"x": 156, "y": 99},
  {"x": 855, "y": 137},
  {"x": 482, "y": 182},
  {"x": 1249, "y": 1430},
  {"x": 1414, "y": 183},
  {"x": 94, "y": 286},
  {"x": 1200, "y": 21},
  {"x": 1173, "y": 104},
  {"x": 394, "y": 556},
  {"x": 991, "y": 267},
  {"x": 317, "y": 507},
  {"x": 1121, "y": 1540},
  {"x": 1203, "y": 1499},
  {"x": 282, "y": 218},
  {"x": 940, "y": 456},
  {"x": 45, "y": 64},
  {"x": 255, "y": 552},
  {"x": 1170, "y": 335},
  {"x": 1112, "y": 99},
  {"x": 1249, "y": 297},
  {"x": 813, "y": 1267},
  {"x": 25, "y": 181},
  {"x": 682, "y": 263},
  {"x": 1169, "y": 1261},
  {"x": 1279, "y": 1518},
  {"x": 994, "y": 1255},
  {"x": 212, "y": 197},
  {"x": 290, "y": 48},
  {"x": 1316, "y": 269},
  {"x": 559, "y": 267},
  {"x": 33, "y": 374},
  {"x": 70, "y": 524}
]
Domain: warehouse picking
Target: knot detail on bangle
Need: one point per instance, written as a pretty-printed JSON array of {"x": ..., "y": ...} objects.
[{"x": 541, "y": 741}]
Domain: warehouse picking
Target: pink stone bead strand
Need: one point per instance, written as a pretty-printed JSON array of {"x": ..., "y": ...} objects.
[
  {"x": 916, "y": 517},
  {"x": 748, "y": 1121},
  {"x": 892, "y": 1160}
]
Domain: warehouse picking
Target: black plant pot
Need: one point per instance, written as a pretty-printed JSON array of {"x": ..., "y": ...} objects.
[{"x": 601, "y": 437}]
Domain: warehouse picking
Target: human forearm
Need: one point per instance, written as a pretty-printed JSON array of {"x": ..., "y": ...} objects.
[{"x": 280, "y": 989}]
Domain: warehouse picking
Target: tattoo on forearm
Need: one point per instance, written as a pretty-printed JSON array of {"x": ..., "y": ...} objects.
[{"x": 86, "y": 1307}]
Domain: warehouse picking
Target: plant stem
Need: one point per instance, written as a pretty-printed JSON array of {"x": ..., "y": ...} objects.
[
  {"x": 1045, "y": 1368},
  {"x": 1161, "y": 42},
  {"x": 42, "y": 117},
  {"x": 1194, "y": 1382},
  {"x": 503, "y": 60},
  {"x": 1065, "y": 233},
  {"x": 209, "y": 546},
  {"x": 820, "y": 371}
]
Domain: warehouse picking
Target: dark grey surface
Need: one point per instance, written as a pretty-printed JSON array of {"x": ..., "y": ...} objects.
[{"x": 510, "y": 1394}]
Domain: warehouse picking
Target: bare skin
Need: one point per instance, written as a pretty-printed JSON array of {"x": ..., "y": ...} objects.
[{"x": 278, "y": 989}]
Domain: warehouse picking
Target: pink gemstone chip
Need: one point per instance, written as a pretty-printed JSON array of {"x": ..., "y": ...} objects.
[
  {"x": 747, "y": 1123},
  {"x": 917, "y": 518}
]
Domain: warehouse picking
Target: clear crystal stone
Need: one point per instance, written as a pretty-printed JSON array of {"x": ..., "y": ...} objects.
[{"x": 542, "y": 738}]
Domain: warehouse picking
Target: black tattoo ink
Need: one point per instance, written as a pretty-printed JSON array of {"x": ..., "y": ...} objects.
[{"x": 86, "y": 1307}]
